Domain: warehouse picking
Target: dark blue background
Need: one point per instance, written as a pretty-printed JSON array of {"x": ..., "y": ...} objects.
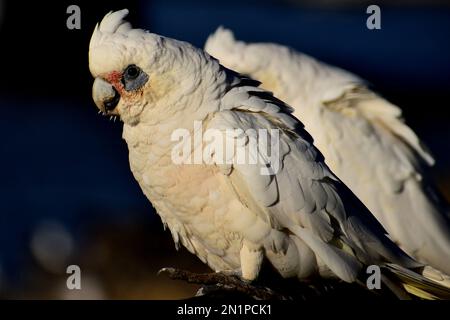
[{"x": 62, "y": 161}]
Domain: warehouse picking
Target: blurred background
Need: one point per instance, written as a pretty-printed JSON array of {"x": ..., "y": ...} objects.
[{"x": 67, "y": 195}]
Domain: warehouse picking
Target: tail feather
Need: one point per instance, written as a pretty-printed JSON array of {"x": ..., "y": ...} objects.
[
  {"x": 416, "y": 284},
  {"x": 436, "y": 275}
]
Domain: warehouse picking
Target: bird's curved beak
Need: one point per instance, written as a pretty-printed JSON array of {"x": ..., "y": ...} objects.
[{"x": 105, "y": 95}]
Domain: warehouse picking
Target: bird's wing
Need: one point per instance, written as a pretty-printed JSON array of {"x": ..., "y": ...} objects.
[
  {"x": 303, "y": 196},
  {"x": 362, "y": 136},
  {"x": 375, "y": 116},
  {"x": 367, "y": 143}
]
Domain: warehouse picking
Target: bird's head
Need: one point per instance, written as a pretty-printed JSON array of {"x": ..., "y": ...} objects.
[
  {"x": 121, "y": 65},
  {"x": 230, "y": 52},
  {"x": 265, "y": 62},
  {"x": 137, "y": 72}
]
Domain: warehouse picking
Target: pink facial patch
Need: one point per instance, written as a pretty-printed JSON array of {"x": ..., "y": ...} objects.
[{"x": 114, "y": 78}]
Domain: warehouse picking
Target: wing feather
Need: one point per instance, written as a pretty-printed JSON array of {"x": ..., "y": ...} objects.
[{"x": 304, "y": 196}]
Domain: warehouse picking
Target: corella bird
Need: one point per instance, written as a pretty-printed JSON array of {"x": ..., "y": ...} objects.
[
  {"x": 232, "y": 214},
  {"x": 362, "y": 136}
]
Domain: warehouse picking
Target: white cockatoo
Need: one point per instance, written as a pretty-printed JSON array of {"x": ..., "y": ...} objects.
[
  {"x": 232, "y": 215},
  {"x": 362, "y": 136}
]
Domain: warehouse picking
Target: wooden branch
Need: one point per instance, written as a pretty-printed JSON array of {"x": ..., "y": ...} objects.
[
  {"x": 220, "y": 285},
  {"x": 216, "y": 282}
]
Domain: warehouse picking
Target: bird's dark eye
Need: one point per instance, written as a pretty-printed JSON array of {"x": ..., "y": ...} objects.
[
  {"x": 133, "y": 77},
  {"x": 132, "y": 72}
]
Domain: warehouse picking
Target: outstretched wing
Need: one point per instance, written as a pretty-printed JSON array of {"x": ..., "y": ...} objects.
[{"x": 302, "y": 196}]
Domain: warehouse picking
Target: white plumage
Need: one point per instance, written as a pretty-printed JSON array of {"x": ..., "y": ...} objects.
[
  {"x": 302, "y": 219},
  {"x": 362, "y": 136}
]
